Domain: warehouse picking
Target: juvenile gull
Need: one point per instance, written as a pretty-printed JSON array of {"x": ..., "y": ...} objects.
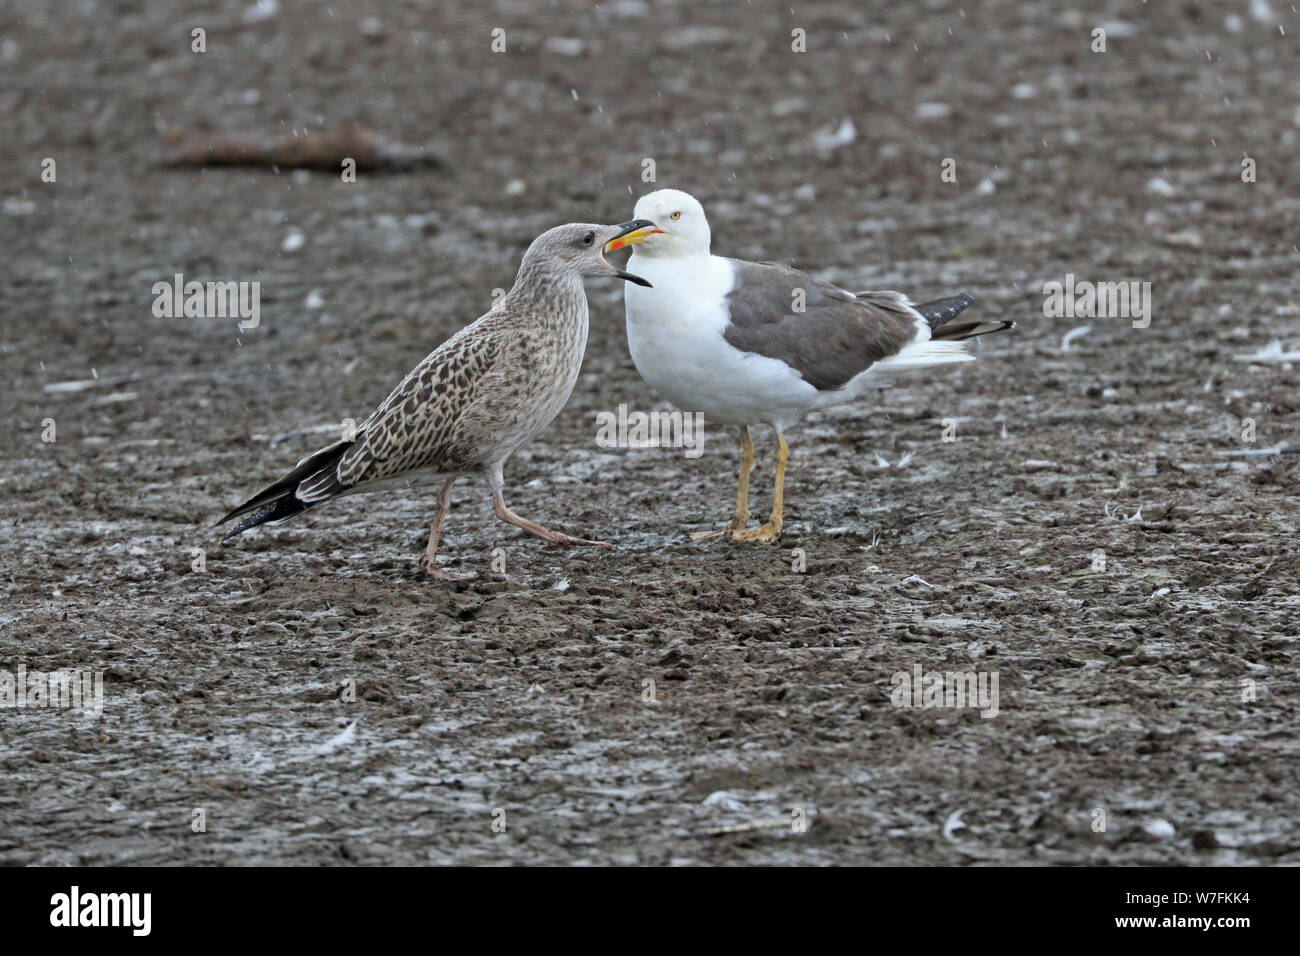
[
  {"x": 476, "y": 398},
  {"x": 749, "y": 342}
]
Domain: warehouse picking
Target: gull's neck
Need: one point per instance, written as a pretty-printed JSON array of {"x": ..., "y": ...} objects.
[
  {"x": 675, "y": 258},
  {"x": 538, "y": 286},
  {"x": 553, "y": 305}
]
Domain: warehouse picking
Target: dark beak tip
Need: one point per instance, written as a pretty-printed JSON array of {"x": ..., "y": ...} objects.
[
  {"x": 631, "y": 278},
  {"x": 633, "y": 225}
]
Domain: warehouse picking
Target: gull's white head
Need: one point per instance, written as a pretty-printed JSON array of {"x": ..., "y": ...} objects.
[{"x": 683, "y": 230}]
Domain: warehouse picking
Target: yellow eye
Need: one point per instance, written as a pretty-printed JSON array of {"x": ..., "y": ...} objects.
[{"x": 675, "y": 216}]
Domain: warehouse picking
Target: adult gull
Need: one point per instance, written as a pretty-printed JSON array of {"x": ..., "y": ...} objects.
[{"x": 760, "y": 342}]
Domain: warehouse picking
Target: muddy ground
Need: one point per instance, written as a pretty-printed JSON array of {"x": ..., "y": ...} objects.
[{"x": 1126, "y": 683}]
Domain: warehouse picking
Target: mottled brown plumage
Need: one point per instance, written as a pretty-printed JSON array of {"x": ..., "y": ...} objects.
[{"x": 476, "y": 398}]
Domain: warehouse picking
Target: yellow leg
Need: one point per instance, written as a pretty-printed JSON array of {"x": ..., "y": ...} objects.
[
  {"x": 742, "y": 489},
  {"x": 741, "y": 518},
  {"x": 770, "y": 532}
]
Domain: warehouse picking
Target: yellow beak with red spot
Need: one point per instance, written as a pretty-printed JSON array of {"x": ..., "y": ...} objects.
[
  {"x": 629, "y": 234},
  {"x": 638, "y": 234}
]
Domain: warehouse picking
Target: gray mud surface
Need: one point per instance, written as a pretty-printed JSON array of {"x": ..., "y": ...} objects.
[{"x": 1125, "y": 690}]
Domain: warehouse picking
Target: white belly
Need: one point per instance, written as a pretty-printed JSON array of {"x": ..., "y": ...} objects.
[{"x": 675, "y": 336}]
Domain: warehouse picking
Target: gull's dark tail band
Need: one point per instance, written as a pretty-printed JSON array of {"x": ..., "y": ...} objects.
[
  {"x": 941, "y": 312},
  {"x": 277, "y": 510},
  {"x": 279, "y": 500}
]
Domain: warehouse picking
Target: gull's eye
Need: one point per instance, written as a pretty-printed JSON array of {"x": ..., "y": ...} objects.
[
  {"x": 675, "y": 216},
  {"x": 587, "y": 239}
]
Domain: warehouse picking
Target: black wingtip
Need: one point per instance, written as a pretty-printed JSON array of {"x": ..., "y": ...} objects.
[
  {"x": 310, "y": 467},
  {"x": 277, "y": 510},
  {"x": 939, "y": 311}
]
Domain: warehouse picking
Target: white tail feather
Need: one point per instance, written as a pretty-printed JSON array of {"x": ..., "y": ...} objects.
[{"x": 919, "y": 355}]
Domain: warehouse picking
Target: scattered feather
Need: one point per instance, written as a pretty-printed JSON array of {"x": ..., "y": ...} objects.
[
  {"x": 1262, "y": 11},
  {"x": 833, "y": 137},
  {"x": 1119, "y": 28},
  {"x": 1256, "y": 452},
  {"x": 933, "y": 110},
  {"x": 726, "y": 800},
  {"x": 262, "y": 10},
  {"x": 15, "y": 206},
  {"x": 1273, "y": 352},
  {"x": 1160, "y": 186},
  {"x": 1077, "y": 332},
  {"x": 1118, "y": 515},
  {"x": 1159, "y": 829},
  {"x": 748, "y": 827},
  {"x": 952, "y": 825},
  {"x": 344, "y": 737}
]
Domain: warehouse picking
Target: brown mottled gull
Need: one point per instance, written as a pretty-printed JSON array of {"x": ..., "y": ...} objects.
[{"x": 476, "y": 398}]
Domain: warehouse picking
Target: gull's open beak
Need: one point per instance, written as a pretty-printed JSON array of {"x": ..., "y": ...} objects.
[{"x": 631, "y": 233}]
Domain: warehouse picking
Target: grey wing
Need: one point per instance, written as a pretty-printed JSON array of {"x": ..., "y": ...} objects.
[
  {"x": 415, "y": 427},
  {"x": 837, "y": 336}
]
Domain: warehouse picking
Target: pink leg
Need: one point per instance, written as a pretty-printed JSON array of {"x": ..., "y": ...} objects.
[
  {"x": 430, "y": 557},
  {"x": 550, "y": 537}
]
